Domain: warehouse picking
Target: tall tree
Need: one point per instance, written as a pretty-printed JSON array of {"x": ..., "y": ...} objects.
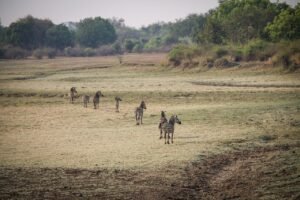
[
  {"x": 2, "y": 34},
  {"x": 286, "y": 25},
  {"x": 28, "y": 32},
  {"x": 238, "y": 21},
  {"x": 94, "y": 32},
  {"x": 188, "y": 27},
  {"x": 59, "y": 37}
]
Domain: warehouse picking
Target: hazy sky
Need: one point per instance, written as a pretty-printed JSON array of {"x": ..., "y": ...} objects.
[{"x": 135, "y": 12}]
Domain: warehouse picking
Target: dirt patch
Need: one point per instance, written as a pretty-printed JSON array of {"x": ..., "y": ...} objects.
[{"x": 241, "y": 175}]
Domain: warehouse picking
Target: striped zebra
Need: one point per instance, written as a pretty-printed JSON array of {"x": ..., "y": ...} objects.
[
  {"x": 139, "y": 111},
  {"x": 169, "y": 127},
  {"x": 117, "y": 99},
  {"x": 163, "y": 119},
  {"x": 96, "y": 99},
  {"x": 85, "y": 100},
  {"x": 73, "y": 93}
]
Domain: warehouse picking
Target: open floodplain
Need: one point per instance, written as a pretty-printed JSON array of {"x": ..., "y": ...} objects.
[{"x": 239, "y": 137}]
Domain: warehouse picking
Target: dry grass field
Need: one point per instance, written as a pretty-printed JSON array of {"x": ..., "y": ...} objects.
[{"x": 239, "y": 137}]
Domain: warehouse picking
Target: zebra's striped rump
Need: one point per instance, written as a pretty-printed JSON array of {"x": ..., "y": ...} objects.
[
  {"x": 169, "y": 128},
  {"x": 96, "y": 99},
  {"x": 85, "y": 100}
]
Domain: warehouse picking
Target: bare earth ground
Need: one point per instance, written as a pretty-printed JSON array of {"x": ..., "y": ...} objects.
[{"x": 239, "y": 138}]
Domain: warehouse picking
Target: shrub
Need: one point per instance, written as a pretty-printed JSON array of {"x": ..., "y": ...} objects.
[
  {"x": 51, "y": 53},
  {"x": 73, "y": 52},
  {"x": 15, "y": 53},
  {"x": 38, "y": 53},
  {"x": 129, "y": 44},
  {"x": 287, "y": 56},
  {"x": 237, "y": 55},
  {"x": 89, "y": 52},
  {"x": 117, "y": 48},
  {"x": 105, "y": 50},
  {"x": 181, "y": 52},
  {"x": 221, "y": 62},
  {"x": 253, "y": 49},
  {"x": 176, "y": 55},
  {"x": 153, "y": 43},
  {"x": 138, "y": 48},
  {"x": 2, "y": 52},
  {"x": 220, "y": 52},
  {"x": 169, "y": 39}
]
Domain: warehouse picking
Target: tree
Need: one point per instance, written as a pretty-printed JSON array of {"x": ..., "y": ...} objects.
[
  {"x": 188, "y": 27},
  {"x": 238, "y": 21},
  {"x": 59, "y": 37},
  {"x": 94, "y": 32},
  {"x": 117, "y": 48},
  {"x": 286, "y": 25},
  {"x": 28, "y": 32},
  {"x": 2, "y": 34},
  {"x": 129, "y": 44}
]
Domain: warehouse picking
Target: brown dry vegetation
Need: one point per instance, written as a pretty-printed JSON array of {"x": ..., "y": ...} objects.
[{"x": 239, "y": 138}]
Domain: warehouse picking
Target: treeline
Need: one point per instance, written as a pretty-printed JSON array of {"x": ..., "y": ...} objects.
[
  {"x": 244, "y": 30},
  {"x": 234, "y": 25},
  {"x": 91, "y": 37},
  {"x": 41, "y": 37}
]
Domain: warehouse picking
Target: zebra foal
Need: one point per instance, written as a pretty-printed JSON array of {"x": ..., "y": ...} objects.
[
  {"x": 163, "y": 119},
  {"x": 139, "y": 111}
]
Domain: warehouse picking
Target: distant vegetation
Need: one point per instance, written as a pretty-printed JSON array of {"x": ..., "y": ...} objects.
[{"x": 237, "y": 30}]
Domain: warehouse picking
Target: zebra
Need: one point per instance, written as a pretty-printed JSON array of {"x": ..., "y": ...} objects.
[
  {"x": 117, "y": 99},
  {"x": 85, "y": 100},
  {"x": 139, "y": 113},
  {"x": 168, "y": 128},
  {"x": 72, "y": 94},
  {"x": 96, "y": 99},
  {"x": 163, "y": 119}
]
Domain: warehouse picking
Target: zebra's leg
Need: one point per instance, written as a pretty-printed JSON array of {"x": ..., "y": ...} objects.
[
  {"x": 137, "y": 118},
  {"x": 160, "y": 133},
  {"x": 141, "y": 118},
  {"x": 168, "y": 138},
  {"x": 172, "y": 134},
  {"x": 165, "y": 137}
]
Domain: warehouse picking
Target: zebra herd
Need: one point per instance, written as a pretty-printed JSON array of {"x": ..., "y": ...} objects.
[{"x": 165, "y": 126}]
